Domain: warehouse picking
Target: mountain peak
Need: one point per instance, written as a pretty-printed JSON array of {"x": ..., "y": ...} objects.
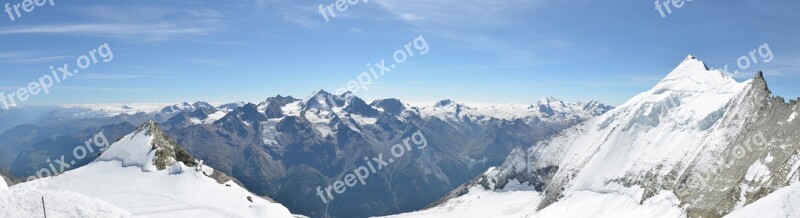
[
  {"x": 549, "y": 100},
  {"x": 694, "y": 75},
  {"x": 149, "y": 148},
  {"x": 444, "y": 103},
  {"x": 320, "y": 92}
]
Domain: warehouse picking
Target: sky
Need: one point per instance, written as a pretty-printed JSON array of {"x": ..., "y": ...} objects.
[{"x": 512, "y": 51}]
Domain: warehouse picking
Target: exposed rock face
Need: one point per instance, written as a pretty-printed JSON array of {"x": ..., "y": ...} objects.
[
  {"x": 761, "y": 156},
  {"x": 716, "y": 144},
  {"x": 285, "y": 146},
  {"x": 168, "y": 152},
  {"x": 279, "y": 148}
]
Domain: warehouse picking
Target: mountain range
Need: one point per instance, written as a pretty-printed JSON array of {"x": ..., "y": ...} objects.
[
  {"x": 698, "y": 144},
  {"x": 284, "y": 148}
]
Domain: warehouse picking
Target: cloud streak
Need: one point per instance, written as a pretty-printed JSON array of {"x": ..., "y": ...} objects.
[{"x": 131, "y": 23}]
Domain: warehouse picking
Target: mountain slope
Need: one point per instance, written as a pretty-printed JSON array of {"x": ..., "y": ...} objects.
[
  {"x": 285, "y": 146},
  {"x": 698, "y": 142},
  {"x": 148, "y": 175},
  {"x": 59, "y": 203}
]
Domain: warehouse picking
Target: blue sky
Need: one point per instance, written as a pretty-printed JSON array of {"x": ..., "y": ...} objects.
[{"x": 511, "y": 51}]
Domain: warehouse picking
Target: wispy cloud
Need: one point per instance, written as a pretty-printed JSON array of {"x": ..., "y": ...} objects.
[
  {"x": 459, "y": 13},
  {"x": 21, "y": 57},
  {"x": 482, "y": 25},
  {"x": 123, "y": 76},
  {"x": 204, "y": 61},
  {"x": 159, "y": 31},
  {"x": 137, "y": 23}
]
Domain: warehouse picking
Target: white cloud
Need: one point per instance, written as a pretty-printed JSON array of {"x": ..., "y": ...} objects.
[
  {"x": 131, "y": 22},
  {"x": 459, "y": 13},
  {"x": 27, "y": 57}
]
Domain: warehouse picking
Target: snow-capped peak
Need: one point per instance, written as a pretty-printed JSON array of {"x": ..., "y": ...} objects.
[
  {"x": 550, "y": 100},
  {"x": 325, "y": 101},
  {"x": 149, "y": 148},
  {"x": 444, "y": 103},
  {"x": 694, "y": 75}
]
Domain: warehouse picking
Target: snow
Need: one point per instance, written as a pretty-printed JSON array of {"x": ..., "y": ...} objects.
[
  {"x": 270, "y": 132},
  {"x": 656, "y": 133},
  {"x": 124, "y": 176},
  {"x": 518, "y": 200},
  {"x": 658, "y": 129},
  {"x": 484, "y": 111},
  {"x": 757, "y": 172},
  {"x": 210, "y": 119},
  {"x": 59, "y": 203},
  {"x": 481, "y": 203},
  {"x": 784, "y": 202},
  {"x": 134, "y": 149},
  {"x": 3, "y": 184},
  {"x": 592, "y": 204},
  {"x": 215, "y": 116},
  {"x": 791, "y": 118},
  {"x": 161, "y": 194},
  {"x": 769, "y": 158},
  {"x": 292, "y": 109},
  {"x": 363, "y": 121}
]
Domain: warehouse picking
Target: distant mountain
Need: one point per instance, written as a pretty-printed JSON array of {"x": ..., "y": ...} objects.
[
  {"x": 286, "y": 147},
  {"x": 144, "y": 174},
  {"x": 698, "y": 144}
]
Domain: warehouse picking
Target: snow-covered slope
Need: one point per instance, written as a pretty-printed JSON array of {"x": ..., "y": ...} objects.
[
  {"x": 698, "y": 143},
  {"x": 59, "y": 203},
  {"x": 147, "y": 174},
  {"x": 519, "y": 200},
  {"x": 782, "y": 203},
  {"x": 3, "y": 184}
]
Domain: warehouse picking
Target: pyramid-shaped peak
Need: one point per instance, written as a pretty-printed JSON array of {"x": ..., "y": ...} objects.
[
  {"x": 321, "y": 92},
  {"x": 693, "y": 74},
  {"x": 149, "y": 148}
]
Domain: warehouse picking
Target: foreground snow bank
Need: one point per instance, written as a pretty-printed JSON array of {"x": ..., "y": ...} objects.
[
  {"x": 162, "y": 194},
  {"x": 520, "y": 201},
  {"x": 782, "y": 203},
  {"x": 593, "y": 204},
  {"x": 18, "y": 202},
  {"x": 3, "y": 184}
]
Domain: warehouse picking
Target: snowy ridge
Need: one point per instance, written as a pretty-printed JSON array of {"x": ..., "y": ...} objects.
[
  {"x": 146, "y": 175},
  {"x": 659, "y": 129},
  {"x": 545, "y": 109},
  {"x": 651, "y": 148},
  {"x": 148, "y": 148},
  {"x": 325, "y": 110}
]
